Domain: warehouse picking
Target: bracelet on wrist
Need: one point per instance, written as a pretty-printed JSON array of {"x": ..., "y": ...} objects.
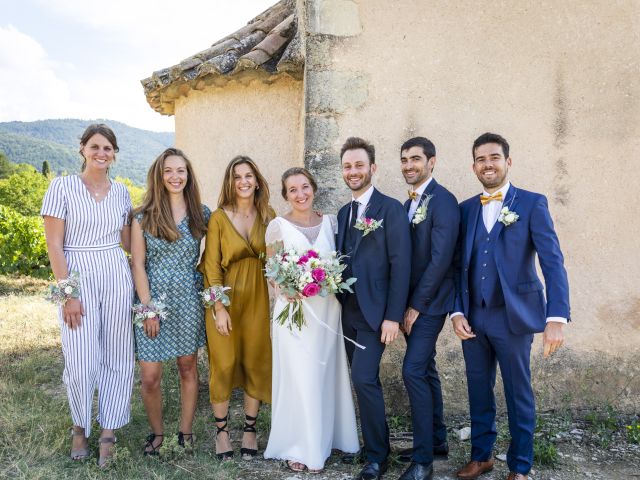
[{"x": 65, "y": 289}]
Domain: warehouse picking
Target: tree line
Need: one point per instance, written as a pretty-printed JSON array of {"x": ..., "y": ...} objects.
[{"x": 23, "y": 248}]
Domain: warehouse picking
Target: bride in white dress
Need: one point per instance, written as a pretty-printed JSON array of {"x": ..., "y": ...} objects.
[{"x": 312, "y": 408}]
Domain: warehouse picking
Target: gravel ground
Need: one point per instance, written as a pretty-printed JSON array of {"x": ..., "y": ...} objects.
[{"x": 595, "y": 447}]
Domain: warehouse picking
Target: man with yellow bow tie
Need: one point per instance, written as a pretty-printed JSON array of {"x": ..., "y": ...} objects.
[
  {"x": 500, "y": 303},
  {"x": 435, "y": 219}
]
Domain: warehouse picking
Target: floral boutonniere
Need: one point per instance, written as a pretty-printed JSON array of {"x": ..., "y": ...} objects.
[
  {"x": 507, "y": 217},
  {"x": 367, "y": 225},
  {"x": 421, "y": 212}
]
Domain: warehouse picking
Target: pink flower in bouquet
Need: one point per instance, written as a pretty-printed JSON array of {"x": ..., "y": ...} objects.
[
  {"x": 318, "y": 274},
  {"x": 368, "y": 220},
  {"x": 303, "y": 259},
  {"x": 311, "y": 290},
  {"x": 312, "y": 254}
]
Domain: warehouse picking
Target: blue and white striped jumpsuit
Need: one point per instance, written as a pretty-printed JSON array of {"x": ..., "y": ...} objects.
[{"x": 100, "y": 353}]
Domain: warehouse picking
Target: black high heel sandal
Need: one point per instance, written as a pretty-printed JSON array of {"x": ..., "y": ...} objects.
[
  {"x": 184, "y": 438},
  {"x": 249, "y": 453},
  {"x": 154, "y": 450},
  {"x": 223, "y": 429}
]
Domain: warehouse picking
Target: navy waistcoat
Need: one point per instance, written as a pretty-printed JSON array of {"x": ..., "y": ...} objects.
[{"x": 484, "y": 282}]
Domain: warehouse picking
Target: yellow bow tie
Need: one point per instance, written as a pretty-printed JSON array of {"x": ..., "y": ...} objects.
[
  {"x": 413, "y": 195},
  {"x": 484, "y": 199}
]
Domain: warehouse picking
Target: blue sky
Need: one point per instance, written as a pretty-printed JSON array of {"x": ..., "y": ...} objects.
[{"x": 85, "y": 58}]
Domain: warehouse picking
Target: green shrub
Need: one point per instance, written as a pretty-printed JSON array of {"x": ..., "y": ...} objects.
[
  {"x": 23, "y": 248},
  {"x": 23, "y": 191},
  {"x": 136, "y": 192}
]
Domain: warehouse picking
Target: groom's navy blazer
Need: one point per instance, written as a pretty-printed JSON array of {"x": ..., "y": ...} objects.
[
  {"x": 432, "y": 286},
  {"x": 381, "y": 260},
  {"x": 515, "y": 251}
]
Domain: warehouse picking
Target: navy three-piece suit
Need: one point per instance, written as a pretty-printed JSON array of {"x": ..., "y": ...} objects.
[
  {"x": 500, "y": 294},
  {"x": 432, "y": 294},
  {"x": 381, "y": 262}
]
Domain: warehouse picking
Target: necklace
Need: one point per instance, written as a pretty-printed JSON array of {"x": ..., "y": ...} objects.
[
  {"x": 244, "y": 215},
  {"x": 94, "y": 189}
]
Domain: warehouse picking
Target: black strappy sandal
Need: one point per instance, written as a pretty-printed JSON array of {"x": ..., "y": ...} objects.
[
  {"x": 249, "y": 453},
  {"x": 223, "y": 429},
  {"x": 154, "y": 451},
  {"x": 184, "y": 439}
]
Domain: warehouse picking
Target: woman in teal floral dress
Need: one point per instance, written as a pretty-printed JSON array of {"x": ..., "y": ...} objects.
[{"x": 165, "y": 247}]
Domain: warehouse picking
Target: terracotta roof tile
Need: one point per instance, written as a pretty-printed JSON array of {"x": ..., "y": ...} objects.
[{"x": 270, "y": 42}]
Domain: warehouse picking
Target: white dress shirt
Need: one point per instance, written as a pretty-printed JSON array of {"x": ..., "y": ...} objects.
[
  {"x": 491, "y": 211},
  {"x": 490, "y": 214},
  {"x": 414, "y": 203},
  {"x": 363, "y": 201}
]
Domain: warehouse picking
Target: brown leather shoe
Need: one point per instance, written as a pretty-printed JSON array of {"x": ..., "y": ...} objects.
[
  {"x": 474, "y": 469},
  {"x": 517, "y": 476}
]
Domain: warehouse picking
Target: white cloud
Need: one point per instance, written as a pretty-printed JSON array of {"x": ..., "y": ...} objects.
[{"x": 29, "y": 85}]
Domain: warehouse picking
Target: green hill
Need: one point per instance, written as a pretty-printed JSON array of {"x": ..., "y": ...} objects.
[{"x": 57, "y": 141}]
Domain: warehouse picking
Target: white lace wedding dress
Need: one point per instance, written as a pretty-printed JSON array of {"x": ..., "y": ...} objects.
[{"x": 312, "y": 408}]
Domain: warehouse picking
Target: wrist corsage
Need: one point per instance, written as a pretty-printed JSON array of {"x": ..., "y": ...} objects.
[
  {"x": 153, "y": 309},
  {"x": 65, "y": 289},
  {"x": 215, "y": 294}
]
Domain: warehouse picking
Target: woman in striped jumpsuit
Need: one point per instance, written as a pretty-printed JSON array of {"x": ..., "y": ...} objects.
[{"x": 86, "y": 218}]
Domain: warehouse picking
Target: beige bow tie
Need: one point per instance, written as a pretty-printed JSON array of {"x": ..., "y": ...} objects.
[{"x": 413, "y": 195}]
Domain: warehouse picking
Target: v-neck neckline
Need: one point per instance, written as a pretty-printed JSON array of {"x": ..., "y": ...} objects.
[
  {"x": 246, "y": 240},
  {"x": 84, "y": 187},
  {"x": 182, "y": 220}
]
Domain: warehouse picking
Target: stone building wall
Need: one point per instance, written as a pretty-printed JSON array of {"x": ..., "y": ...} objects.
[
  {"x": 560, "y": 82},
  {"x": 257, "y": 116}
]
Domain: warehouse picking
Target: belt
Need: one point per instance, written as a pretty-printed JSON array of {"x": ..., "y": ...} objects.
[{"x": 90, "y": 248}]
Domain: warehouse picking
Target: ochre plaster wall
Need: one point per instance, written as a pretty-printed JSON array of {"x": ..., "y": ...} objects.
[
  {"x": 252, "y": 117},
  {"x": 561, "y": 82}
]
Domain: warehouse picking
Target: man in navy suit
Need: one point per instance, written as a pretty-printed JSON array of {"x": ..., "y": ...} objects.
[
  {"x": 373, "y": 231},
  {"x": 500, "y": 303},
  {"x": 435, "y": 221}
]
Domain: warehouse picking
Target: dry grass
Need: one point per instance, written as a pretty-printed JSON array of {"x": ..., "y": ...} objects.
[
  {"x": 21, "y": 285},
  {"x": 34, "y": 416}
]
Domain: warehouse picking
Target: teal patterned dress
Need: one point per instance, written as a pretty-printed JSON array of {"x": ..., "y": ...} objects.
[{"x": 171, "y": 269}]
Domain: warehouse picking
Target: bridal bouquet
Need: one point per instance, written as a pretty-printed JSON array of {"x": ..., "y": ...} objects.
[{"x": 303, "y": 275}]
